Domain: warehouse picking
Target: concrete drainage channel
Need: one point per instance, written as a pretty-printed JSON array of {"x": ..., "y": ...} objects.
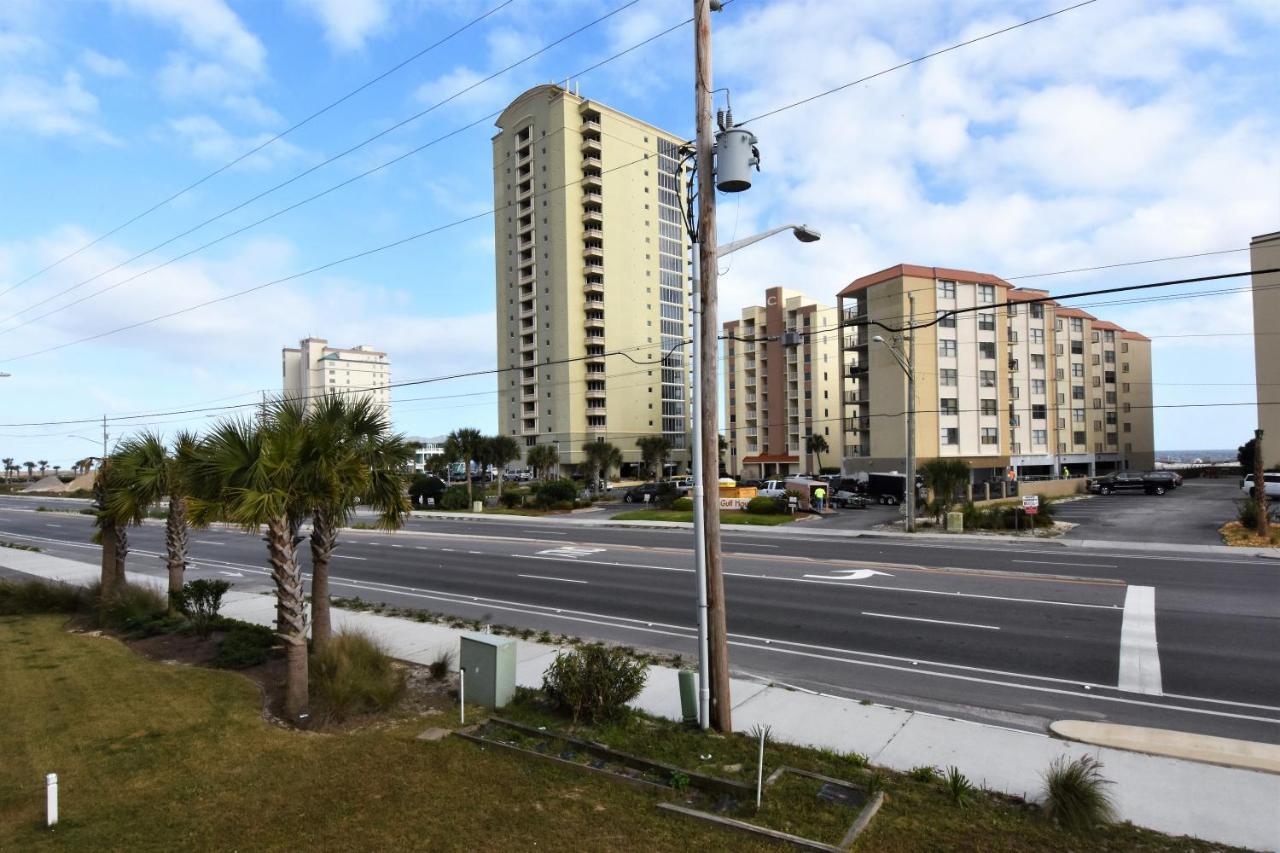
[{"x": 720, "y": 801}]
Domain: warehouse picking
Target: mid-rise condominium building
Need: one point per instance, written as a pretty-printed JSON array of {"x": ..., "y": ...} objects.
[
  {"x": 782, "y": 372},
  {"x": 1014, "y": 380},
  {"x": 315, "y": 369},
  {"x": 592, "y": 277},
  {"x": 1265, "y": 255}
]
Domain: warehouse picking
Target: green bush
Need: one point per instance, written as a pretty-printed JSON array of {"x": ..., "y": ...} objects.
[
  {"x": 423, "y": 487},
  {"x": 455, "y": 497},
  {"x": 513, "y": 500},
  {"x": 135, "y": 609},
  {"x": 666, "y": 496},
  {"x": 353, "y": 674},
  {"x": 19, "y": 597},
  {"x": 762, "y": 505},
  {"x": 1007, "y": 517},
  {"x": 244, "y": 645},
  {"x": 959, "y": 789},
  {"x": 1247, "y": 514},
  {"x": 682, "y": 504},
  {"x": 594, "y": 683},
  {"x": 1075, "y": 795},
  {"x": 552, "y": 493},
  {"x": 923, "y": 773},
  {"x": 200, "y": 600}
]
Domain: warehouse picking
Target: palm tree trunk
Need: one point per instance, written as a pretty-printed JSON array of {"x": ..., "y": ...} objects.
[
  {"x": 112, "y": 561},
  {"x": 324, "y": 535},
  {"x": 470, "y": 500},
  {"x": 175, "y": 541},
  {"x": 291, "y": 608}
]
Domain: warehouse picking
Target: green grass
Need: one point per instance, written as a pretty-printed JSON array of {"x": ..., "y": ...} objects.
[{"x": 726, "y": 517}]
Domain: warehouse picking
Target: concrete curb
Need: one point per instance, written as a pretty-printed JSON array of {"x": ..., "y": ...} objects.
[{"x": 1207, "y": 749}]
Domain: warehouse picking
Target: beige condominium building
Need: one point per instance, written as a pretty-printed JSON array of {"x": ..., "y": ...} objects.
[
  {"x": 315, "y": 369},
  {"x": 782, "y": 372},
  {"x": 592, "y": 277},
  {"x": 1265, "y": 254},
  {"x": 1014, "y": 380}
]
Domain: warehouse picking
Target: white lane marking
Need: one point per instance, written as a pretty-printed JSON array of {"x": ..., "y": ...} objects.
[
  {"x": 477, "y": 553},
  {"x": 1139, "y": 655},
  {"x": 850, "y": 575},
  {"x": 541, "y": 532},
  {"x": 421, "y": 548},
  {"x": 545, "y": 578},
  {"x": 52, "y": 525},
  {"x": 904, "y": 589},
  {"x": 396, "y": 546},
  {"x": 450, "y": 550},
  {"x": 1081, "y": 565},
  {"x": 934, "y": 621},
  {"x": 757, "y": 545},
  {"x": 207, "y": 542},
  {"x": 349, "y": 557}
]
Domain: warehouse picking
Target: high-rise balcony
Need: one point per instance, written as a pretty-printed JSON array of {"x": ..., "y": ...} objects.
[
  {"x": 528, "y": 312},
  {"x": 594, "y": 287},
  {"x": 594, "y": 321},
  {"x": 592, "y": 217},
  {"x": 593, "y": 233},
  {"x": 526, "y": 275},
  {"x": 596, "y": 427},
  {"x": 595, "y": 336},
  {"x": 592, "y": 196},
  {"x": 525, "y": 228},
  {"x": 524, "y": 191},
  {"x": 524, "y": 157},
  {"x": 591, "y": 181},
  {"x": 594, "y": 268},
  {"x": 530, "y": 426},
  {"x": 595, "y": 393},
  {"x": 591, "y": 161},
  {"x": 592, "y": 250},
  {"x": 590, "y": 145},
  {"x": 591, "y": 124},
  {"x": 529, "y": 396}
]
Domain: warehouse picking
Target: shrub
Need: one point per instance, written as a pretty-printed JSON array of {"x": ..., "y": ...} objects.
[
  {"x": 441, "y": 666},
  {"x": 424, "y": 487},
  {"x": 874, "y": 783},
  {"x": 455, "y": 497},
  {"x": 512, "y": 500},
  {"x": 244, "y": 645},
  {"x": 923, "y": 773},
  {"x": 682, "y": 504},
  {"x": 136, "y": 608},
  {"x": 1075, "y": 795},
  {"x": 594, "y": 683},
  {"x": 200, "y": 600},
  {"x": 762, "y": 505},
  {"x": 19, "y": 597},
  {"x": 666, "y": 495},
  {"x": 552, "y": 493},
  {"x": 352, "y": 675},
  {"x": 1247, "y": 514},
  {"x": 959, "y": 788}
]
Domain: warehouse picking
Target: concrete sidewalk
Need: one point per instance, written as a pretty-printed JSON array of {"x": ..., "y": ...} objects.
[{"x": 1175, "y": 796}]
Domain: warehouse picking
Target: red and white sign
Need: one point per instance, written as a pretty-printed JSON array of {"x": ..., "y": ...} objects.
[{"x": 1030, "y": 504}]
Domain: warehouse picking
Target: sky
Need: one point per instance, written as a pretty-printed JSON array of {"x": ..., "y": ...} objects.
[{"x": 1118, "y": 131}]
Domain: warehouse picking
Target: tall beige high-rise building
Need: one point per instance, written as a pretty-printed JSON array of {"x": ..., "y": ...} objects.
[
  {"x": 778, "y": 392},
  {"x": 1015, "y": 381},
  {"x": 315, "y": 369},
  {"x": 592, "y": 277},
  {"x": 1265, "y": 255}
]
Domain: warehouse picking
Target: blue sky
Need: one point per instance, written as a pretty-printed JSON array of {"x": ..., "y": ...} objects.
[{"x": 1120, "y": 131}]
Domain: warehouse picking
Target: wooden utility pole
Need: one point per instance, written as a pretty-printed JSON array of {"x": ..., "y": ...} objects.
[
  {"x": 1260, "y": 485},
  {"x": 709, "y": 432}
]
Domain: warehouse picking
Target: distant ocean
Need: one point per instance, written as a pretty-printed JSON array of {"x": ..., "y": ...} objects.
[{"x": 1193, "y": 455}]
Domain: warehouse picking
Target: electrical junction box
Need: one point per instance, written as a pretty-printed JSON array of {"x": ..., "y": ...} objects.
[{"x": 489, "y": 666}]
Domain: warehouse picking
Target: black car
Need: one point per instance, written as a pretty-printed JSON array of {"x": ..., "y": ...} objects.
[
  {"x": 1127, "y": 481},
  {"x": 1171, "y": 479},
  {"x": 637, "y": 494}
]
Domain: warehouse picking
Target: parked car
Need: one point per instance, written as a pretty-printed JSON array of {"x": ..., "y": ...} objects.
[
  {"x": 1171, "y": 479},
  {"x": 1270, "y": 485},
  {"x": 772, "y": 489},
  {"x": 683, "y": 484},
  {"x": 1127, "y": 481},
  {"x": 643, "y": 493}
]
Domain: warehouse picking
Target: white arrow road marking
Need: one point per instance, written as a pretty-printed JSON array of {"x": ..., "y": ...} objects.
[
  {"x": 571, "y": 552},
  {"x": 232, "y": 574},
  {"x": 1139, "y": 655},
  {"x": 850, "y": 575}
]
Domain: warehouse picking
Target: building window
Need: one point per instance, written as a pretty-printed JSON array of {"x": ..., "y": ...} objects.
[
  {"x": 946, "y": 321},
  {"x": 947, "y": 376},
  {"x": 1037, "y": 386},
  {"x": 987, "y": 322},
  {"x": 950, "y": 405},
  {"x": 946, "y": 290},
  {"x": 1124, "y": 348},
  {"x": 1037, "y": 311},
  {"x": 1077, "y": 392},
  {"x": 986, "y": 349},
  {"x": 1128, "y": 426},
  {"x": 986, "y": 293},
  {"x": 1037, "y": 361},
  {"x": 1039, "y": 437},
  {"x": 947, "y": 348},
  {"x": 986, "y": 379},
  {"x": 1037, "y": 336},
  {"x": 990, "y": 435},
  {"x": 1124, "y": 368},
  {"x": 1125, "y": 387},
  {"x": 1039, "y": 412},
  {"x": 1077, "y": 324},
  {"x": 1079, "y": 437},
  {"x": 1077, "y": 347},
  {"x": 989, "y": 407},
  {"x": 950, "y": 435},
  {"x": 1077, "y": 415},
  {"x": 1077, "y": 370}
]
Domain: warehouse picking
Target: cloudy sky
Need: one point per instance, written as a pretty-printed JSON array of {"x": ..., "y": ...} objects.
[{"x": 1120, "y": 131}]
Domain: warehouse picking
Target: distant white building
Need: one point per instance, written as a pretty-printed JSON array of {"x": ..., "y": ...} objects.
[
  {"x": 427, "y": 453},
  {"x": 314, "y": 368}
]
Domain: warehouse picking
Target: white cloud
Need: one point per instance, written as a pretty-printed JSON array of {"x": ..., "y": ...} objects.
[
  {"x": 104, "y": 66},
  {"x": 348, "y": 24},
  {"x": 207, "y": 25},
  {"x": 15, "y": 46},
  {"x": 249, "y": 109},
  {"x": 34, "y": 105},
  {"x": 208, "y": 140}
]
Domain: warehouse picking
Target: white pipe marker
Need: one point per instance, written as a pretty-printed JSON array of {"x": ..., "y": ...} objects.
[{"x": 51, "y": 792}]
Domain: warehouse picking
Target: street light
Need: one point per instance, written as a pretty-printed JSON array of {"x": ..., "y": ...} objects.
[
  {"x": 804, "y": 234},
  {"x": 907, "y": 364}
]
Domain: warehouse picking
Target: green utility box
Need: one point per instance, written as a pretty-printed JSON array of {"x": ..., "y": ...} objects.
[
  {"x": 955, "y": 522},
  {"x": 489, "y": 667}
]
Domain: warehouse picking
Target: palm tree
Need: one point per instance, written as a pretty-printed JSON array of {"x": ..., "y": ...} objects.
[
  {"x": 31, "y": 469},
  {"x": 348, "y": 456},
  {"x": 111, "y": 533},
  {"x": 250, "y": 474},
  {"x": 151, "y": 473},
  {"x": 723, "y": 444},
  {"x": 464, "y": 445},
  {"x": 44, "y": 463},
  {"x": 654, "y": 450},
  {"x": 57, "y": 470},
  {"x": 601, "y": 456},
  {"x": 501, "y": 450},
  {"x": 542, "y": 458},
  {"x": 816, "y": 445},
  {"x": 8, "y": 466},
  {"x": 945, "y": 477}
]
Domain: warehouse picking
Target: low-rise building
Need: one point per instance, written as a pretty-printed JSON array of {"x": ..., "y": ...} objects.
[
  {"x": 314, "y": 369},
  {"x": 1265, "y": 255}
]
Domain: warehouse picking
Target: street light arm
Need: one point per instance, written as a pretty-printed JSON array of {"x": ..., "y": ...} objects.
[
  {"x": 803, "y": 233},
  {"x": 897, "y": 356}
]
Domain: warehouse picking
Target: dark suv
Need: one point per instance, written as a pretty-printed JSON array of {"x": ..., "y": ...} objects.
[
  {"x": 1127, "y": 481},
  {"x": 1170, "y": 479}
]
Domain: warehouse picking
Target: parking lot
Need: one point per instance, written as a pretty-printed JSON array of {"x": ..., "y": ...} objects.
[{"x": 1190, "y": 515}]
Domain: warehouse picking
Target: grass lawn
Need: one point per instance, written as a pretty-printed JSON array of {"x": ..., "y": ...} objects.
[
  {"x": 156, "y": 757},
  {"x": 1234, "y": 533},
  {"x": 726, "y": 517}
]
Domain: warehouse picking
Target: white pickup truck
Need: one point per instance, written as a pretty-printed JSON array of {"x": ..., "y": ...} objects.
[{"x": 772, "y": 489}]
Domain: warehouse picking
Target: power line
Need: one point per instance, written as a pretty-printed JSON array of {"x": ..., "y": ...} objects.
[
  {"x": 915, "y": 61},
  {"x": 333, "y": 159},
  {"x": 1127, "y": 264},
  {"x": 265, "y": 143}
]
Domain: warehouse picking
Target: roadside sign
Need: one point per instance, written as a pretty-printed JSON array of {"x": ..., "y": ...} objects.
[{"x": 1030, "y": 504}]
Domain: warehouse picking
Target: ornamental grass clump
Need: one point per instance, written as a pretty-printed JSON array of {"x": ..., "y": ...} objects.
[
  {"x": 1075, "y": 794},
  {"x": 351, "y": 675}
]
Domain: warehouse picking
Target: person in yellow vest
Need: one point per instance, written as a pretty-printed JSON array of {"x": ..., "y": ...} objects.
[
  {"x": 819, "y": 497},
  {"x": 1066, "y": 473}
]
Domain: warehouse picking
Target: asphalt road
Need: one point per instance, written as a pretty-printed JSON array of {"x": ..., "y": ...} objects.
[{"x": 1016, "y": 633}]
